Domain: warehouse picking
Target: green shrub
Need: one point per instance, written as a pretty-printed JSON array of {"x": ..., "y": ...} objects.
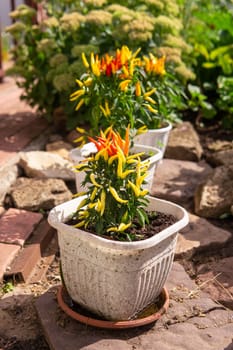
[{"x": 47, "y": 55}]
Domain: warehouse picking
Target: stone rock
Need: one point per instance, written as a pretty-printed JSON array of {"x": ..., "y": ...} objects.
[
  {"x": 176, "y": 180},
  {"x": 220, "y": 145},
  {"x": 8, "y": 176},
  {"x": 199, "y": 236},
  {"x": 220, "y": 158},
  {"x": 220, "y": 277},
  {"x": 46, "y": 165},
  {"x": 59, "y": 147},
  {"x": 36, "y": 194},
  {"x": 214, "y": 197},
  {"x": 184, "y": 144}
]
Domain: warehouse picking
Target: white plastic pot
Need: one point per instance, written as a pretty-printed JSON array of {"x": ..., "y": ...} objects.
[
  {"x": 115, "y": 280},
  {"x": 156, "y": 156},
  {"x": 155, "y": 137}
]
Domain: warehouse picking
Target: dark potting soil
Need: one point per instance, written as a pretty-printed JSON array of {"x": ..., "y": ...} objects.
[{"x": 157, "y": 222}]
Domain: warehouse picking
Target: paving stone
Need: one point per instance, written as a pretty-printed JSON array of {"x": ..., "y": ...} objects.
[
  {"x": 200, "y": 236},
  {"x": 17, "y": 225},
  {"x": 214, "y": 197},
  {"x": 220, "y": 277},
  {"x": 192, "y": 321},
  {"x": 46, "y": 165},
  {"x": 7, "y": 254},
  {"x": 184, "y": 143},
  {"x": 37, "y": 194},
  {"x": 176, "y": 180}
]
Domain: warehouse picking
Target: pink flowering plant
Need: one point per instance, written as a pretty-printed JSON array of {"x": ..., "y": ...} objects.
[
  {"x": 121, "y": 89},
  {"x": 115, "y": 199}
]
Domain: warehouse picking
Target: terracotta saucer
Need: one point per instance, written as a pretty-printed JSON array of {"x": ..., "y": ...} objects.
[{"x": 149, "y": 315}]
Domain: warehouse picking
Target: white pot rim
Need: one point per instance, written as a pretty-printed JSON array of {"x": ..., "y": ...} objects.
[
  {"x": 61, "y": 213},
  {"x": 166, "y": 128}
]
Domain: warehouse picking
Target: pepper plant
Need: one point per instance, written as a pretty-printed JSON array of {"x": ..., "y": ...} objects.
[{"x": 115, "y": 196}]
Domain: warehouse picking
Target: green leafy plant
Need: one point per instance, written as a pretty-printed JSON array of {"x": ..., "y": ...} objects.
[
  {"x": 7, "y": 287},
  {"x": 208, "y": 28},
  {"x": 115, "y": 197},
  {"x": 47, "y": 55}
]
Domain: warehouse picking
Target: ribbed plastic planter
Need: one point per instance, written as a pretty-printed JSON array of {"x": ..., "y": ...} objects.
[
  {"x": 112, "y": 279},
  {"x": 155, "y": 137}
]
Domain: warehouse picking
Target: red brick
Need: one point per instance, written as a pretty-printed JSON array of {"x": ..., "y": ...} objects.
[
  {"x": 7, "y": 254},
  {"x": 17, "y": 225},
  {"x": 29, "y": 257},
  {"x": 24, "y": 263}
]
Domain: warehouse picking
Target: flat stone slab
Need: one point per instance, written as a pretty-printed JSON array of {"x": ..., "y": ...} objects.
[
  {"x": 193, "y": 321},
  {"x": 184, "y": 143},
  {"x": 36, "y": 194},
  {"x": 7, "y": 254},
  {"x": 176, "y": 180},
  {"x": 17, "y": 225},
  {"x": 220, "y": 277},
  {"x": 46, "y": 165},
  {"x": 198, "y": 236}
]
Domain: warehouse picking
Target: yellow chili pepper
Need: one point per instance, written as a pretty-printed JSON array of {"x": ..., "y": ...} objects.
[
  {"x": 94, "y": 192},
  {"x": 79, "y": 105},
  {"x": 125, "y": 71},
  {"x": 81, "y": 130},
  {"x": 151, "y": 100},
  {"x": 79, "y": 194},
  {"x": 102, "y": 201},
  {"x": 116, "y": 196},
  {"x": 140, "y": 179},
  {"x": 112, "y": 158},
  {"x": 88, "y": 81},
  {"x": 82, "y": 203},
  {"x": 92, "y": 178},
  {"x": 149, "y": 93},
  {"x": 77, "y": 94},
  {"x": 138, "y": 90},
  {"x": 134, "y": 188},
  {"x": 98, "y": 206},
  {"x": 79, "y": 82},
  {"x": 126, "y": 173},
  {"x": 107, "y": 108},
  {"x": 144, "y": 192},
  {"x": 131, "y": 68},
  {"x": 102, "y": 153},
  {"x": 151, "y": 109},
  {"x": 84, "y": 59},
  {"x": 123, "y": 86},
  {"x": 80, "y": 224},
  {"x": 136, "y": 155},
  {"x": 122, "y": 227},
  {"x": 119, "y": 167}
]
